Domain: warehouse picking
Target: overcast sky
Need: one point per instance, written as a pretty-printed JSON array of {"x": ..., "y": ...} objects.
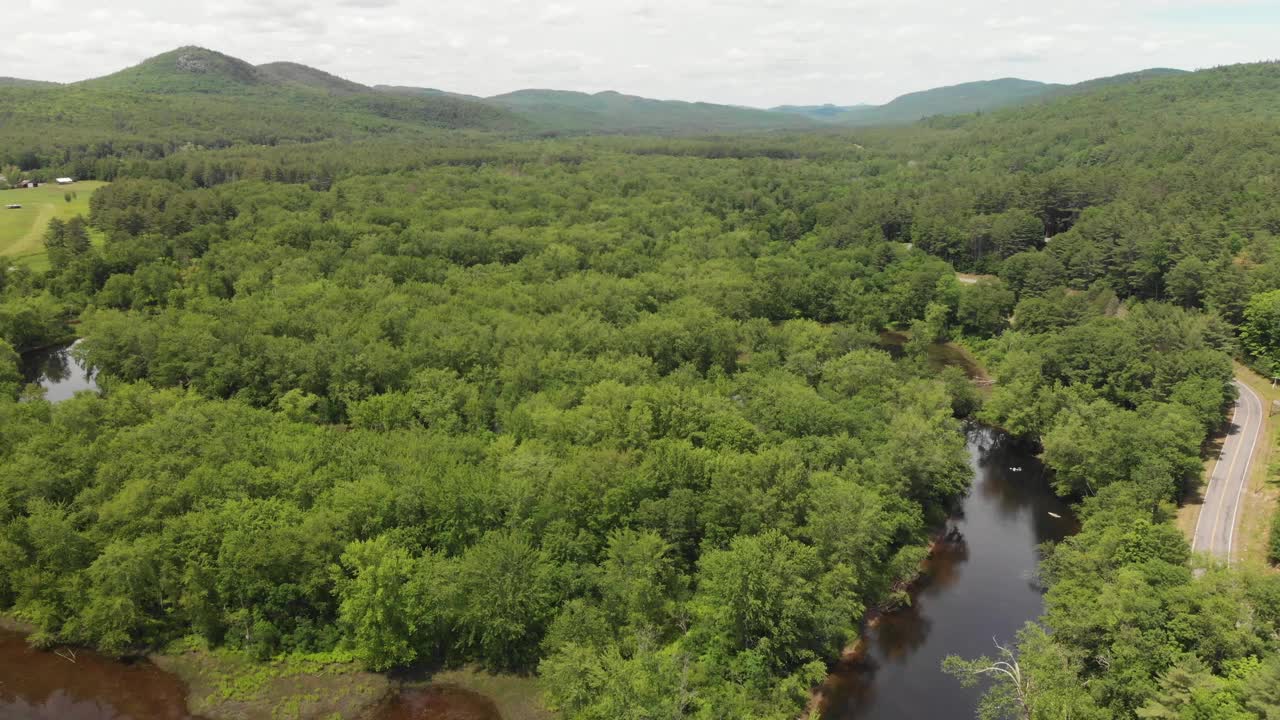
[{"x": 750, "y": 52}]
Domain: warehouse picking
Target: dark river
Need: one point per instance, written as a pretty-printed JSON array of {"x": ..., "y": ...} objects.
[
  {"x": 981, "y": 586},
  {"x": 58, "y": 371}
]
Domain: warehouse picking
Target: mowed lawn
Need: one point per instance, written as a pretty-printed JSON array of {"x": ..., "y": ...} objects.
[{"x": 22, "y": 231}]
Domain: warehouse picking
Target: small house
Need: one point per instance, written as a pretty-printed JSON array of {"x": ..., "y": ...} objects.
[
  {"x": 27, "y": 184},
  {"x": 65, "y": 181}
]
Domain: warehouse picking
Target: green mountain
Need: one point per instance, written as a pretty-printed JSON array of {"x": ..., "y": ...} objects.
[
  {"x": 198, "y": 97},
  {"x": 430, "y": 92},
  {"x": 820, "y": 112},
  {"x": 609, "y": 111},
  {"x": 951, "y": 100},
  {"x": 287, "y": 73},
  {"x": 1155, "y": 99},
  {"x": 19, "y": 82},
  {"x": 1122, "y": 79},
  {"x": 962, "y": 99},
  {"x": 565, "y": 111},
  {"x": 185, "y": 70}
]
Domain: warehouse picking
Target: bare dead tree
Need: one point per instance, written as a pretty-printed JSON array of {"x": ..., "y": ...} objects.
[{"x": 1013, "y": 690}]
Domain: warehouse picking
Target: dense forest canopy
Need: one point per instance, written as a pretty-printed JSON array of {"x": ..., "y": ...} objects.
[{"x": 617, "y": 409}]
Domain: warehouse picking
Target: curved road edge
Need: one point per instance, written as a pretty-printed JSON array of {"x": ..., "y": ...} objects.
[{"x": 1220, "y": 509}]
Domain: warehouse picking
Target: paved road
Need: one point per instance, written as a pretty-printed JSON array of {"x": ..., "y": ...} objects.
[{"x": 1215, "y": 529}]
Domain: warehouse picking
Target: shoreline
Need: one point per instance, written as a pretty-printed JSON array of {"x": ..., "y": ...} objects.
[
  {"x": 854, "y": 653},
  {"x": 227, "y": 685}
]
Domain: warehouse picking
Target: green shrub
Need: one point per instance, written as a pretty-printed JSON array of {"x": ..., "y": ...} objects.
[{"x": 1273, "y": 549}]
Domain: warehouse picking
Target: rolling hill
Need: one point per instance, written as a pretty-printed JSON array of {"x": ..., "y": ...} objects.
[
  {"x": 185, "y": 70},
  {"x": 566, "y": 111},
  {"x": 19, "y": 82},
  {"x": 820, "y": 112},
  {"x": 950, "y": 100},
  {"x": 195, "y": 97},
  {"x": 614, "y": 112},
  {"x": 962, "y": 99},
  {"x": 287, "y": 73},
  {"x": 202, "y": 98},
  {"x": 430, "y": 92},
  {"x": 1122, "y": 79}
]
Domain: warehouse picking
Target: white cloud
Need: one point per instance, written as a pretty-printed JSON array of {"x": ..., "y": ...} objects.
[
  {"x": 999, "y": 23},
  {"x": 759, "y": 52},
  {"x": 555, "y": 13}
]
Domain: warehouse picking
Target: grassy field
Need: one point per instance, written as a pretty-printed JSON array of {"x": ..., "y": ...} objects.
[
  {"x": 22, "y": 231},
  {"x": 228, "y": 685},
  {"x": 516, "y": 697}
]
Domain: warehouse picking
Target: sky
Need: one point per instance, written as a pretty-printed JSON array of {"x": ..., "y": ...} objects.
[{"x": 747, "y": 52}]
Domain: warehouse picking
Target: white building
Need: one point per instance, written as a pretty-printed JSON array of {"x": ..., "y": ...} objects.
[{"x": 65, "y": 181}]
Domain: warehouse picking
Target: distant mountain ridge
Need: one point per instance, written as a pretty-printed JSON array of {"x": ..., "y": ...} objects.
[
  {"x": 949, "y": 100},
  {"x": 293, "y": 101},
  {"x": 406, "y": 90},
  {"x": 19, "y": 82},
  {"x": 291, "y": 72},
  {"x": 962, "y": 99},
  {"x": 195, "y": 71},
  {"x": 195, "y": 97},
  {"x": 611, "y": 111}
]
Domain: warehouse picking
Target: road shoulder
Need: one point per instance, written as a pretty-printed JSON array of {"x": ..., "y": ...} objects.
[
  {"x": 1260, "y": 501},
  {"x": 1253, "y": 527}
]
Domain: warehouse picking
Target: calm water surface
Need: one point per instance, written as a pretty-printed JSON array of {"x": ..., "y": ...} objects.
[
  {"x": 439, "y": 702},
  {"x": 58, "y": 371},
  {"x": 39, "y": 685},
  {"x": 43, "y": 685},
  {"x": 980, "y": 586}
]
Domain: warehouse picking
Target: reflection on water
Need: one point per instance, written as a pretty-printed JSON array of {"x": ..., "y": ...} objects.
[
  {"x": 439, "y": 702},
  {"x": 58, "y": 371},
  {"x": 980, "y": 585},
  {"x": 39, "y": 685},
  {"x": 83, "y": 685}
]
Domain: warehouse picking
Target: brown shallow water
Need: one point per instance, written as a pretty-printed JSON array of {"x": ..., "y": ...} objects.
[
  {"x": 83, "y": 685},
  {"x": 40, "y": 685},
  {"x": 439, "y": 702}
]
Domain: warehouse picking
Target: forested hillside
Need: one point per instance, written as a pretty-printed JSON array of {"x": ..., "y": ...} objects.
[
  {"x": 290, "y": 72},
  {"x": 612, "y": 112},
  {"x": 962, "y": 99},
  {"x": 959, "y": 99},
  {"x": 193, "y": 98},
  {"x": 616, "y": 410},
  {"x": 197, "y": 98}
]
